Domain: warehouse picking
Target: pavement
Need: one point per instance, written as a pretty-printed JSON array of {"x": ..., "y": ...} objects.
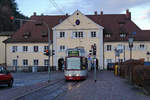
[{"x": 107, "y": 87}]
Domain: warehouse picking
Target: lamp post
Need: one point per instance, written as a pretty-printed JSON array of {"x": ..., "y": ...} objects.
[
  {"x": 130, "y": 45},
  {"x": 148, "y": 55}
]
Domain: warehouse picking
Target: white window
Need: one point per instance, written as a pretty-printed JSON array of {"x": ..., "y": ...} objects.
[
  {"x": 109, "y": 60},
  {"x": 35, "y": 62},
  {"x": 25, "y": 62},
  {"x": 14, "y": 48},
  {"x": 46, "y": 62},
  {"x": 62, "y": 48},
  {"x": 36, "y": 48},
  {"x": 141, "y": 46},
  {"x": 14, "y": 62},
  {"x": 107, "y": 35},
  {"x": 78, "y": 34},
  {"x": 62, "y": 34},
  {"x": 93, "y": 34},
  {"x": 25, "y": 48},
  {"x": 109, "y": 47},
  {"x": 120, "y": 60},
  {"x": 122, "y": 35},
  {"x": 45, "y": 48}
]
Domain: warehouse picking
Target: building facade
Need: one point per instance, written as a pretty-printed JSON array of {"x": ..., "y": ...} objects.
[
  {"x": 3, "y": 36},
  {"x": 107, "y": 31}
]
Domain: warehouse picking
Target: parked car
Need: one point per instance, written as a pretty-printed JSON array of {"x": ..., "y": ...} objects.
[
  {"x": 6, "y": 77},
  {"x": 110, "y": 66}
]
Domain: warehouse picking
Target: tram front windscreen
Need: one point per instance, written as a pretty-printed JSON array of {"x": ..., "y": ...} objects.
[{"x": 73, "y": 63}]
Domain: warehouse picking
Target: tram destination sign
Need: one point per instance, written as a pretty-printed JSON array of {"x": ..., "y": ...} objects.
[{"x": 73, "y": 53}]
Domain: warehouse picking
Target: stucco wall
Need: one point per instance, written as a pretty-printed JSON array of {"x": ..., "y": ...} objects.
[
  {"x": 2, "y": 49},
  {"x": 30, "y": 54}
]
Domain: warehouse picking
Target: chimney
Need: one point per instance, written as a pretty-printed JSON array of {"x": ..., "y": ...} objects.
[
  {"x": 101, "y": 12},
  {"x": 95, "y": 12},
  {"x": 67, "y": 14},
  {"x": 34, "y": 13},
  {"x": 128, "y": 14},
  {"x": 42, "y": 14}
]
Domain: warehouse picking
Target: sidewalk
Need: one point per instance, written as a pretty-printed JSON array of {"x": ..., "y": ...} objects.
[{"x": 107, "y": 87}]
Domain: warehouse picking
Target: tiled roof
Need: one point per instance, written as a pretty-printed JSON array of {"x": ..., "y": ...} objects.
[{"x": 113, "y": 24}]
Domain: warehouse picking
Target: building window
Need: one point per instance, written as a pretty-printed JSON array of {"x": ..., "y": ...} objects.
[
  {"x": 107, "y": 35},
  {"x": 25, "y": 62},
  {"x": 108, "y": 47},
  {"x": 120, "y": 60},
  {"x": 35, "y": 62},
  {"x": 122, "y": 35},
  {"x": 14, "y": 62},
  {"x": 25, "y": 48},
  {"x": 62, "y": 48},
  {"x": 35, "y": 48},
  {"x": 62, "y": 34},
  {"x": 141, "y": 46},
  {"x": 45, "y": 48},
  {"x": 14, "y": 48},
  {"x": 93, "y": 34},
  {"x": 78, "y": 34},
  {"x": 46, "y": 62},
  {"x": 109, "y": 60}
]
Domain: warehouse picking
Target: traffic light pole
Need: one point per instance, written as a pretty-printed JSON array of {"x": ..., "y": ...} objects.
[
  {"x": 95, "y": 68},
  {"x": 49, "y": 42}
]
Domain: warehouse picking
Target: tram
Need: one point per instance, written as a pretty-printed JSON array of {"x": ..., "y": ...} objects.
[{"x": 75, "y": 64}]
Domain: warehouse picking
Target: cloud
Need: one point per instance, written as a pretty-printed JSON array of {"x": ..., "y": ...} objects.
[{"x": 89, "y": 6}]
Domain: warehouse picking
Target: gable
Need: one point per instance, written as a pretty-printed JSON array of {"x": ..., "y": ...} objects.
[{"x": 77, "y": 21}]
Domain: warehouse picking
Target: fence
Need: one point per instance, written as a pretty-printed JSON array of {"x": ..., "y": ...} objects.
[{"x": 136, "y": 73}]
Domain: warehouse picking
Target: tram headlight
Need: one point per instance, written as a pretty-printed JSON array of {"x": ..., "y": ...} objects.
[
  {"x": 77, "y": 74},
  {"x": 69, "y": 74}
]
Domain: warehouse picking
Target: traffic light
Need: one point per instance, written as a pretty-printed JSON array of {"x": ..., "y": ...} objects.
[
  {"x": 12, "y": 19},
  {"x": 53, "y": 52},
  {"x": 46, "y": 52},
  {"x": 94, "y": 49},
  {"x": 90, "y": 52}
]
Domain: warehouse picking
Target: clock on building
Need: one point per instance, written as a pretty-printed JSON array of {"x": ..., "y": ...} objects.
[{"x": 77, "y": 22}]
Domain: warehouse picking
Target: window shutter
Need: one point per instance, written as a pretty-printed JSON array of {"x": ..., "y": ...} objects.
[
  {"x": 41, "y": 48},
  {"x": 30, "y": 49},
  {"x": 89, "y": 34},
  {"x": 65, "y": 34},
  {"x": 58, "y": 34},
  {"x": 105, "y": 47},
  {"x": 73, "y": 35},
  {"x": 20, "y": 48},
  {"x": 11, "y": 49}
]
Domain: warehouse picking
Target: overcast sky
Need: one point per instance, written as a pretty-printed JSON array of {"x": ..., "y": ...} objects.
[{"x": 140, "y": 9}]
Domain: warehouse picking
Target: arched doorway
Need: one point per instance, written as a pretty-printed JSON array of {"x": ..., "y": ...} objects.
[{"x": 60, "y": 63}]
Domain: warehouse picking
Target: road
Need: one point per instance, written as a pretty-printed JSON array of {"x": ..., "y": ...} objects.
[{"x": 107, "y": 87}]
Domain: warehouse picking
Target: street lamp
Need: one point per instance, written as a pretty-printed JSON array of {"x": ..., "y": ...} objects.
[
  {"x": 130, "y": 45},
  {"x": 148, "y": 55}
]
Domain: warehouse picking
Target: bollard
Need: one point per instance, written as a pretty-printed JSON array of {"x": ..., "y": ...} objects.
[{"x": 116, "y": 70}]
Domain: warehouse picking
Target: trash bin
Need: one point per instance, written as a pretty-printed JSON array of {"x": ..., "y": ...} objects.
[{"x": 34, "y": 69}]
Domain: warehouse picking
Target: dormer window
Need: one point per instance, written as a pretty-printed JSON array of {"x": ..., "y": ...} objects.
[
  {"x": 44, "y": 34},
  {"x": 107, "y": 35},
  {"x": 123, "y": 35},
  {"x": 26, "y": 35}
]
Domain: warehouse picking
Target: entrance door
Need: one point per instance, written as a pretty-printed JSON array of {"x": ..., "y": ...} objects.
[{"x": 60, "y": 63}]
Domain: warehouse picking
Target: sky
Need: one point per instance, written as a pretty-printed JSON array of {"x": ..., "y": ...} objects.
[{"x": 140, "y": 9}]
